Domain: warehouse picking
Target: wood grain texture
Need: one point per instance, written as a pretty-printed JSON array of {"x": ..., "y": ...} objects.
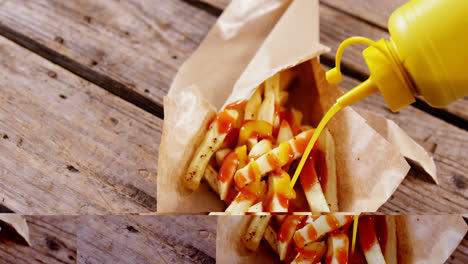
[
  {"x": 69, "y": 147},
  {"x": 375, "y": 12},
  {"x": 53, "y": 240},
  {"x": 460, "y": 256},
  {"x": 147, "y": 239},
  {"x": 447, "y": 144},
  {"x": 140, "y": 44}
]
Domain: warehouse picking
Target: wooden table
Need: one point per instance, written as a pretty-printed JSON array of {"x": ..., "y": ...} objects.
[
  {"x": 81, "y": 102},
  {"x": 152, "y": 239},
  {"x": 122, "y": 239},
  {"x": 81, "y": 107}
]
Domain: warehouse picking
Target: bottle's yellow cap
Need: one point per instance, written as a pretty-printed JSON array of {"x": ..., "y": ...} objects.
[{"x": 388, "y": 75}]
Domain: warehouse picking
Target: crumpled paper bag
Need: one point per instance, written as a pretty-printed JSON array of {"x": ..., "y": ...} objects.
[{"x": 251, "y": 41}]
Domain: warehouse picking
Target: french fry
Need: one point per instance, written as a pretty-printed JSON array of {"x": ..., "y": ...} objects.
[
  {"x": 297, "y": 116},
  {"x": 259, "y": 149},
  {"x": 247, "y": 197},
  {"x": 326, "y": 144},
  {"x": 253, "y": 104},
  {"x": 254, "y": 129},
  {"x": 283, "y": 97},
  {"x": 311, "y": 253},
  {"x": 286, "y": 233},
  {"x": 311, "y": 186},
  {"x": 285, "y": 132},
  {"x": 272, "y": 238},
  {"x": 240, "y": 205},
  {"x": 306, "y": 127},
  {"x": 255, "y": 232},
  {"x": 273, "y": 160},
  {"x": 256, "y": 208},
  {"x": 234, "y": 160},
  {"x": 279, "y": 192},
  {"x": 338, "y": 246},
  {"x": 266, "y": 112},
  {"x": 286, "y": 78},
  {"x": 211, "y": 143},
  {"x": 251, "y": 142},
  {"x": 320, "y": 227},
  {"x": 211, "y": 176},
  {"x": 221, "y": 154},
  {"x": 368, "y": 240}
]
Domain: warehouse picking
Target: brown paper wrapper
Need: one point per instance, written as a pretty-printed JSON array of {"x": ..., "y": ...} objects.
[
  {"x": 428, "y": 239},
  {"x": 398, "y": 138},
  {"x": 15, "y": 228},
  {"x": 420, "y": 239},
  {"x": 251, "y": 41}
]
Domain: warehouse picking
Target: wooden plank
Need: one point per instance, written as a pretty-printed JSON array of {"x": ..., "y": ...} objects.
[
  {"x": 139, "y": 44},
  {"x": 375, "y": 12},
  {"x": 460, "y": 256},
  {"x": 147, "y": 239},
  {"x": 68, "y": 146},
  {"x": 446, "y": 143},
  {"x": 53, "y": 240}
]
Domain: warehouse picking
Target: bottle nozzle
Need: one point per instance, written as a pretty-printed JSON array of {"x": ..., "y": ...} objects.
[
  {"x": 358, "y": 93},
  {"x": 334, "y": 76}
]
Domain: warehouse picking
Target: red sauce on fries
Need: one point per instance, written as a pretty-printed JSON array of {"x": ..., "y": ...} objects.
[
  {"x": 332, "y": 221},
  {"x": 273, "y": 161},
  {"x": 244, "y": 195},
  {"x": 342, "y": 256},
  {"x": 289, "y": 226},
  {"x": 381, "y": 231},
  {"x": 225, "y": 122},
  {"x": 283, "y": 200},
  {"x": 289, "y": 117},
  {"x": 321, "y": 167},
  {"x": 308, "y": 175},
  {"x": 239, "y": 104},
  {"x": 229, "y": 166},
  {"x": 307, "y": 255},
  {"x": 367, "y": 234}
]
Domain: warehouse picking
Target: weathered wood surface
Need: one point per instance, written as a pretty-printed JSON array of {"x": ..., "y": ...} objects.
[
  {"x": 68, "y": 146},
  {"x": 460, "y": 256},
  {"x": 181, "y": 27},
  {"x": 115, "y": 239},
  {"x": 147, "y": 239},
  {"x": 139, "y": 44},
  {"x": 53, "y": 240},
  {"x": 375, "y": 12}
]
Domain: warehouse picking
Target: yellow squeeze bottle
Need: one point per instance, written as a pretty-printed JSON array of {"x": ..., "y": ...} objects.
[{"x": 427, "y": 55}]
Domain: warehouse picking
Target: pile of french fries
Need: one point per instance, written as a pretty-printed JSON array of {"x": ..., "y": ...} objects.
[
  {"x": 325, "y": 239},
  {"x": 252, "y": 148}
]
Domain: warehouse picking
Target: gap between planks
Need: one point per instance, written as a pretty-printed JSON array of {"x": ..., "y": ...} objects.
[{"x": 84, "y": 72}]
